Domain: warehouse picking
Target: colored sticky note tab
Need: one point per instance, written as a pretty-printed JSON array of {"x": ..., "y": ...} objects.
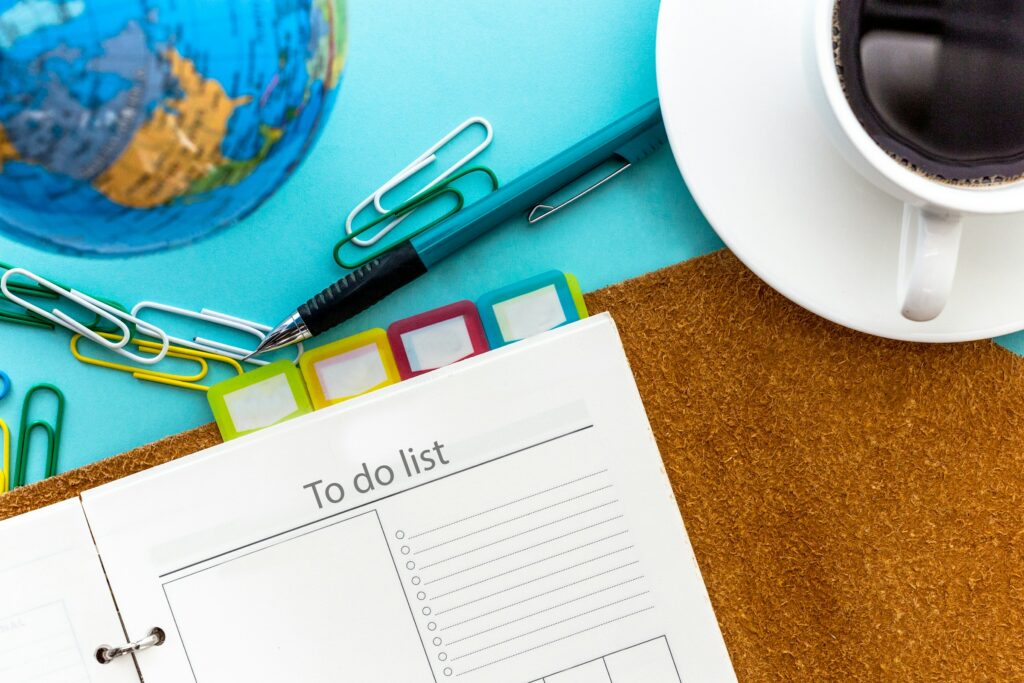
[
  {"x": 258, "y": 399},
  {"x": 526, "y": 308},
  {"x": 437, "y": 338},
  {"x": 349, "y": 367},
  {"x": 577, "y": 295}
]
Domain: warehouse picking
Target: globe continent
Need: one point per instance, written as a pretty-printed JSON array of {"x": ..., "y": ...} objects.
[{"x": 128, "y": 126}]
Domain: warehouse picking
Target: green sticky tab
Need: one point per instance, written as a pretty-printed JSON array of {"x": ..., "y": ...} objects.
[
  {"x": 259, "y": 399},
  {"x": 577, "y": 295}
]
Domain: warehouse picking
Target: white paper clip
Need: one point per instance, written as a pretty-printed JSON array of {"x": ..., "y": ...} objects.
[
  {"x": 100, "y": 308},
  {"x": 257, "y": 330},
  {"x": 422, "y": 161}
]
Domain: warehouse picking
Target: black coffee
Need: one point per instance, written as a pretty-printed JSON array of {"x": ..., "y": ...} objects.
[{"x": 938, "y": 83}]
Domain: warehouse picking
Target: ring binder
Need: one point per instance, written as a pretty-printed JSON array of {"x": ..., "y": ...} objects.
[{"x": 107, "y": 653}]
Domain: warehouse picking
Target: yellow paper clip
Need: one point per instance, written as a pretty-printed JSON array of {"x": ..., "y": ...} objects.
[
  {"x": 5, "y": 473},
  {"x": 169, "y": 379}
]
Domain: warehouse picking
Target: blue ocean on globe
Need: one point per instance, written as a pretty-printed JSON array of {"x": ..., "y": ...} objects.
[{"x": 128, "y": 126}]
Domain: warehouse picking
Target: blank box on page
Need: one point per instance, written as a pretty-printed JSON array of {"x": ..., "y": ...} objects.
[
  {"x": 591, "y": 672},
  {"x": 650, "y": 662},
  {"x": 317, "y": 607}
]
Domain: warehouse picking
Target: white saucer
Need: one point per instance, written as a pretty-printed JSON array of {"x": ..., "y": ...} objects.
[{"x": 734, "y": 81}]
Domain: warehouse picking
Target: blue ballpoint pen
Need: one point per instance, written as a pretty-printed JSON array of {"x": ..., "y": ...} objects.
[{"x": 631, "y": 138}]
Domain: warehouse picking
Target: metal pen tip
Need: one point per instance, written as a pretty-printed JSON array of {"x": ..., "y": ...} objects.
[
  {"x": 255, "y": 352},
  {"x": 291, "y": 331}
]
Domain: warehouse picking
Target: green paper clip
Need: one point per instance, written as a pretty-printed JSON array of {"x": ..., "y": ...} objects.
[
  {"x": 28, "y": 289},
  {"x": 97, "y": 324},
  {"x": 19, "y": 316},
  {"x": 29, "y": 319},
  {"x": 408, "y": 207},
  {"x": 53, "y": 433},
  {"x": 258, "y": 399}
]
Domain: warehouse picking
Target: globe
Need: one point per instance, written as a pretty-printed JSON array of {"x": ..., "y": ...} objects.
[{"x": 128, "y": 126}]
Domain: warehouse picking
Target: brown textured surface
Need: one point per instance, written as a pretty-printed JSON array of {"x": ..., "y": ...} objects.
[{"x": 856, "y": 505}]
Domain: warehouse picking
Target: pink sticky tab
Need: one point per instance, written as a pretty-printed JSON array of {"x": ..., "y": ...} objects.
[{"x": 437, "y": 338}]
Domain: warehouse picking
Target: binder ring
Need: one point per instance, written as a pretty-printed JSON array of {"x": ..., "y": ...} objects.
[{"x": 107, "y": 653}]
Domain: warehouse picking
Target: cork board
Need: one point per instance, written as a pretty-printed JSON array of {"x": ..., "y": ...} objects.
[{"x": 856, "y": 505}]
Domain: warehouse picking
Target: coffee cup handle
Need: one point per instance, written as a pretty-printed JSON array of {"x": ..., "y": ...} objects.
[{"x": 929, "y": 249}]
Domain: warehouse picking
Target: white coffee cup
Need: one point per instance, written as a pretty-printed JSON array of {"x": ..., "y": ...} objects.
[{"x": 933, "y": 211}]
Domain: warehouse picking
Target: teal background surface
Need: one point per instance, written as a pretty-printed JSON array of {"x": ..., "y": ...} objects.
[{"x": 545, "y": 73}]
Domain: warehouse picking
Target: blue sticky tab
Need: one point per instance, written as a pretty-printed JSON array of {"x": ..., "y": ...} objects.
[{"x": 526, "y": 308}]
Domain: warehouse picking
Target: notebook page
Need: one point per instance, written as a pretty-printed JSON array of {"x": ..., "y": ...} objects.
[
  {"x": 55, "y": 606},
  {"x": 504, "y": 519}
]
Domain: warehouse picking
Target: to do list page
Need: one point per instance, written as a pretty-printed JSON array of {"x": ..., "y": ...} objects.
[{"x": 505, "y": 519}]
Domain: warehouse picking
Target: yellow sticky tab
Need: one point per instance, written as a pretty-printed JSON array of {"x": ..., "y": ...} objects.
[
  {"x": 349, "y": 367},
  {"x": 5, "y": 473}
]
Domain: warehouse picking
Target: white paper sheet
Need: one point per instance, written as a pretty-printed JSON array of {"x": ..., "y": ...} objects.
[
  {"x": 55, "y": 606},
  {"x": 504, "y": 519}
]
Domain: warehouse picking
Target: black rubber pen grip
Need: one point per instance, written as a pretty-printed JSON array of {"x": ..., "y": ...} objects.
[{"x": 362, "y": 288}]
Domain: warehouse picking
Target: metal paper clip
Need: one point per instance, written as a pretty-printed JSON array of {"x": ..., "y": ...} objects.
[
  {"x": 28, "y": 289},
  {"x": 179, "y": 380},
  {"x": 22, "y": 317},
  {"x": 53, "y": 433},
  {"x": 257, "y": 330},
  {"x": 104, "y": 310},
  {"x": 5, "y": 473},
  {"x": 418, "y": 164},
  {"x": 446, "y": 188}
]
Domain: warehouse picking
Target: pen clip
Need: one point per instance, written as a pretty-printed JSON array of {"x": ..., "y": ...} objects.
[
  {"x": 638, "y": 147},
  {"x": 542, "y": 211}
]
